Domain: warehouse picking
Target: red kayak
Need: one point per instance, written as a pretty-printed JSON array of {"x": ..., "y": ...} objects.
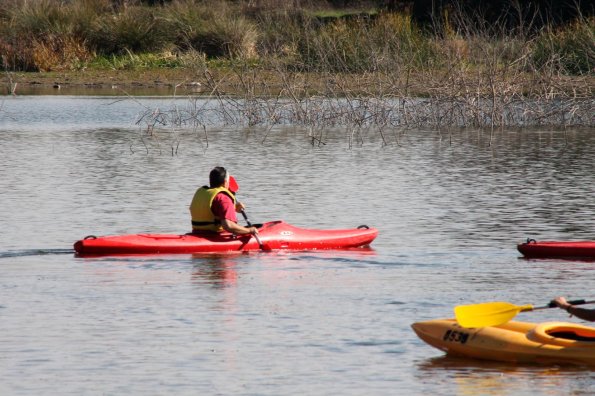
[
  {"x": 553, "y": 249},
  {"x": 274, "y": 235}
]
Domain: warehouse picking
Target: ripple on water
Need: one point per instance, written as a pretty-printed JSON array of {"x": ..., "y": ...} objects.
[{"x": 449, "y": 215}]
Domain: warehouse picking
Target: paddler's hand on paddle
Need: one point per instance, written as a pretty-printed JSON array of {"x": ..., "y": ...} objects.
[
  {"x": 569, "y": 306},
  {"x": 239, "y": 207},
  {"x": 254, "y": 232},
  {"x": 561, "y": 302}
]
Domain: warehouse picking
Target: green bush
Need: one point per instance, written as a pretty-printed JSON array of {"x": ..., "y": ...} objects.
[
  {"x": 216, "y": 31},
  {"x": 400, "y": 42},
  {"x": 136, "y": 29},
  {"x": 570, "y": 50},
  {"x": 36, "y": 19},
  {"x": 132, "y": 61},
  {"x": 46, "y": 34},
  {"x": 358, "y": 45}
]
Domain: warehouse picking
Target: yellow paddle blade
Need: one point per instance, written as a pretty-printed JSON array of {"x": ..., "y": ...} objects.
[{"x": 488, "y": 314}]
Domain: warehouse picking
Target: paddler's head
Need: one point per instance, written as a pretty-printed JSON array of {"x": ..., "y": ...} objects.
[{"x": 219, "y": 177}]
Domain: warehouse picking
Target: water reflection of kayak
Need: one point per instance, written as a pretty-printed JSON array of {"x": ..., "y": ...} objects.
[
  {"x": 522, "y": 342},
  {"x": 551, "y": 249},
  {"x": 274, "y": 235}
]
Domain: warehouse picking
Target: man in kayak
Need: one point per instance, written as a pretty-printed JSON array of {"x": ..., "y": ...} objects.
[
  {"x": 214, "y": 207},
  {"x": 581, "y": 313}
]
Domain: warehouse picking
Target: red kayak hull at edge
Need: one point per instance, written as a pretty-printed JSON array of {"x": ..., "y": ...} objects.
[
  {"x": 274, "y": 235},
  {"x": 553, "y": 249}
]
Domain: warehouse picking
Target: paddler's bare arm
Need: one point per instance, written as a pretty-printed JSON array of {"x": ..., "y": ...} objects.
[
  {"x": 582, "y": 313},
  {"x": 235, "y": 228}
]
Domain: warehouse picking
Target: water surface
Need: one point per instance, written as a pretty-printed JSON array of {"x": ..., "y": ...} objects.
[{"x": 450, "y": 207}]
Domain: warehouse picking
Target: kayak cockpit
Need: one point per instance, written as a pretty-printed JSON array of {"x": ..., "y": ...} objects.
[{"x": 564, "y": 334}]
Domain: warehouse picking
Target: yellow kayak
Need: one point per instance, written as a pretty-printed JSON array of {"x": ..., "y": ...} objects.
[{"x": 543, "y": 343}]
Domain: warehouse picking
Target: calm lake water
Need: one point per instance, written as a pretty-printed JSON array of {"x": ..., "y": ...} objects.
[{"x": 450, "y": 208}]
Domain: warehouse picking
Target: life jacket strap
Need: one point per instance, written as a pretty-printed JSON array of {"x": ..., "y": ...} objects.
[{"x": 205, "y": 223}]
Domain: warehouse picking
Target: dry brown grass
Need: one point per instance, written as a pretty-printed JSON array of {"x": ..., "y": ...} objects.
[{"x": 60, "y": 53}]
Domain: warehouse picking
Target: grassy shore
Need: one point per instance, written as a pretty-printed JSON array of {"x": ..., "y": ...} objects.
[
  {"x": 265, "y": 82},
  {"x": 470, "y": 74}
]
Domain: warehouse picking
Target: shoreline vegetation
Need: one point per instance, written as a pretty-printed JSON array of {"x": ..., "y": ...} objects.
[{"x": 277, "y": 62}]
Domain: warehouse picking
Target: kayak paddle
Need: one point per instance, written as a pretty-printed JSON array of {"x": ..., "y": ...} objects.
[
  {"x": 234, "y": 188},
  {"x": 260, "y": 244},
  {"x": 233, "y": 185},
  {"x": 497, "y": 313}
]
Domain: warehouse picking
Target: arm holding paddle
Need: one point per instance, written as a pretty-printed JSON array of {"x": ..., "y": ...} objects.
[
  {"x": 581, "y": 313},
  {"x": 236, "y": 228}
]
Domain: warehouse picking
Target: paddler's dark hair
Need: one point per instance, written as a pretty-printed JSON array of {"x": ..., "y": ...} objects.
[{"x": 217, "y": 176}]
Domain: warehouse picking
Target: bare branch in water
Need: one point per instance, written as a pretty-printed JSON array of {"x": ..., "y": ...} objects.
[{"x": 504, "y": 92}]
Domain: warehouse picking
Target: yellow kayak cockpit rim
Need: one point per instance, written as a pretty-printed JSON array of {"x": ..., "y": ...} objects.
[{"x": 556, "y": 333}]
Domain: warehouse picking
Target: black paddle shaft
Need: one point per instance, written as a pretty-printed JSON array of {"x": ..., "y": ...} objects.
[
  {"x": 246, "y": 218},
  {"x": 260, "y": 244},
  {"x": 573, "y": 302}
]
